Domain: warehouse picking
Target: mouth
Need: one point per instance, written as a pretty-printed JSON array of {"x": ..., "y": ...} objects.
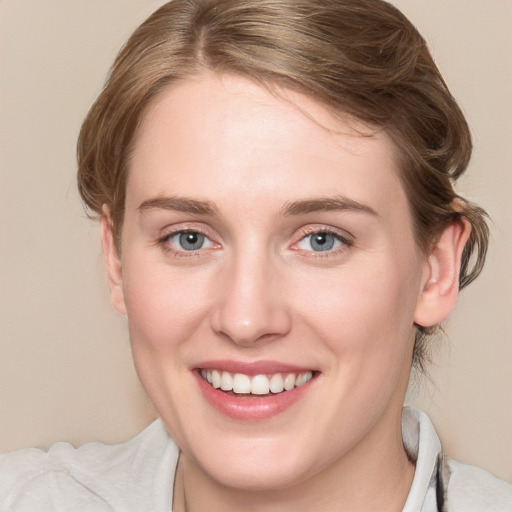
[
  {"x": 255, "y": 391},
  {"x": 260, "y": 385}
]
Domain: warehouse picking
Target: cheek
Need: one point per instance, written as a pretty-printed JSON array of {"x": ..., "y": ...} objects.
[
  {"x": 365, "y": 312},
  {"x": 164, "y": 310},
  {"x": 365, "y": 320},
  {"x": 162, "y": 307}
]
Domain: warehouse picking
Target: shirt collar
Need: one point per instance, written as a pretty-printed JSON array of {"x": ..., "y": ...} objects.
[{"x": 422, "y": 444}]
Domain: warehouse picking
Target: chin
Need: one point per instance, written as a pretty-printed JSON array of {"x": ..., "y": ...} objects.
[
  {"x": 255, "y": 463},
  {"x": 263, "y": 473}
]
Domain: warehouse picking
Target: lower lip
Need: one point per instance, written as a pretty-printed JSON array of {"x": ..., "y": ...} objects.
[{"x": 250, "y": 407}]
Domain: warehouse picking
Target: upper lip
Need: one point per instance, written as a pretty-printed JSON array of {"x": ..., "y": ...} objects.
[{"x": 251, "y": 368}]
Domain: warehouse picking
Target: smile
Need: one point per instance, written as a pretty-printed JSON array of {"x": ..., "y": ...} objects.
[{"x": 240, "y": 383}]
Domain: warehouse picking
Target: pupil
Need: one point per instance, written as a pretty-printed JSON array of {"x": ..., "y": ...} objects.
[
  {"x": 322, "y": 242},
  {"x": 191, "y": 241}
]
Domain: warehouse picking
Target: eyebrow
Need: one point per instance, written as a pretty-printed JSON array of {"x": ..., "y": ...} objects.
[
  {"x": 200, "y": 207},
  {"x": 326, "y": 204},
  {"x": 179, "y": 204}
]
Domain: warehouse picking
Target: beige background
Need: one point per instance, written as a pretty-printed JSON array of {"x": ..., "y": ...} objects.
[{"x": 65, "y": 367}]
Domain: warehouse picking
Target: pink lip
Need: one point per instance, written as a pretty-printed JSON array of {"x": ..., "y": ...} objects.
[
  {"x": 250, "y": 407},
  {"x": 252, "y": 368}
]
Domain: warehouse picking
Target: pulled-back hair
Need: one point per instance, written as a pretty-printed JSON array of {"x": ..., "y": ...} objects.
[{"x": 359, "y": 58}]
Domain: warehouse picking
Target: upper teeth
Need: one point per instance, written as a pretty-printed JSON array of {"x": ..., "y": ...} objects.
[{"x": 257, "y": 385}]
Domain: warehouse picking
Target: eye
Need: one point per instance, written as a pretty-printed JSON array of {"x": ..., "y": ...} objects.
[
  {"x": 321, "y": 241},
  {"x": 189, "y": 241}
]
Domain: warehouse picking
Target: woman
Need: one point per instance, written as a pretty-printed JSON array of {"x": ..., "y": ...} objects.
[{"x": 275, "y": 187}]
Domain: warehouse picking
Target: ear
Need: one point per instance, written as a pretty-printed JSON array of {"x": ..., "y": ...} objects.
[
  {"x": 112, "y": 262},
  {"x": 441, "y": 278}
]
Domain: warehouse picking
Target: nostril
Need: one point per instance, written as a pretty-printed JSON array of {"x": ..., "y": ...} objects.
[{"x": 245, "y": 332}]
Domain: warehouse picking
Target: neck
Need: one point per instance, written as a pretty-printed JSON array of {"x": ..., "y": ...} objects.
[{"x": 374, "y": 475}]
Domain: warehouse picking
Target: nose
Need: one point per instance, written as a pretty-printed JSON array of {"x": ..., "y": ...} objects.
[{"x": 251, "y": 305}]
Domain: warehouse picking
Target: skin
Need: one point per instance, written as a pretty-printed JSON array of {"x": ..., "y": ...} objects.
[{"x": 258, "y": 291}]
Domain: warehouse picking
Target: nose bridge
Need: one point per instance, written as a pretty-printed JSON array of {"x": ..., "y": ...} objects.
[{"x": 250, "y": 306}]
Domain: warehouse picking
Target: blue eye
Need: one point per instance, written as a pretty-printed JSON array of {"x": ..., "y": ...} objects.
[
  {"x": 320, "y": 242},
  {"x": 189, "y": 241}
]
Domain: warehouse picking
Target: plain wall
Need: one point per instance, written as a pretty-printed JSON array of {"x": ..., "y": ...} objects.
[{"x": 65, "y": 362}]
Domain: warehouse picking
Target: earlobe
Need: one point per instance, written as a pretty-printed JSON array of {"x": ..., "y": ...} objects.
[
  {"x": 441, "y": 281},
  {"x": 112, "y": 262}
]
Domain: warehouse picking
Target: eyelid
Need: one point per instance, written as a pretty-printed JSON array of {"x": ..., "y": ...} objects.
[
  {"x": 170, "y": 231},
  {"x": 346, "y": 239}
]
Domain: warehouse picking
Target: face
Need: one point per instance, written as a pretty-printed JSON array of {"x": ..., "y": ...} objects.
[{"x": 270, "y": 252}]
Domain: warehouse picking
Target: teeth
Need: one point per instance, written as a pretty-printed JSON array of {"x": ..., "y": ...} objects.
[
  {"x": 226, "y": 382},
  {"x": 276, "y": 383},
  {"x": 215, "y": 379},
  {"x": 302, "y": 378},
  {"x": 241, "y": 383},
  {"x": 289, "y": 382},
  {"x": 258, "y": 385}
]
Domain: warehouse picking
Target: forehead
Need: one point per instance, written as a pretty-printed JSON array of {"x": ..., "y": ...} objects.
[{"x": 229, "y": 133}]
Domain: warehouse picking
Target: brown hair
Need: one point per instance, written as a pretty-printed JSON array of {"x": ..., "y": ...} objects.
[{"x": 360, "y": 58}]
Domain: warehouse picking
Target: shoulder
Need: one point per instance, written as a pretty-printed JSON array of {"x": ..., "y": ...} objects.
[
  {"x": 135, "y": 475},
  {"x": 471, "y": 489}
]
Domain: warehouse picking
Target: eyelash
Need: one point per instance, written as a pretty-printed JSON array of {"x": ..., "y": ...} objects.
[
  {"x": 346, "y": 242},
  {"x": 164, "y": 242}
]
